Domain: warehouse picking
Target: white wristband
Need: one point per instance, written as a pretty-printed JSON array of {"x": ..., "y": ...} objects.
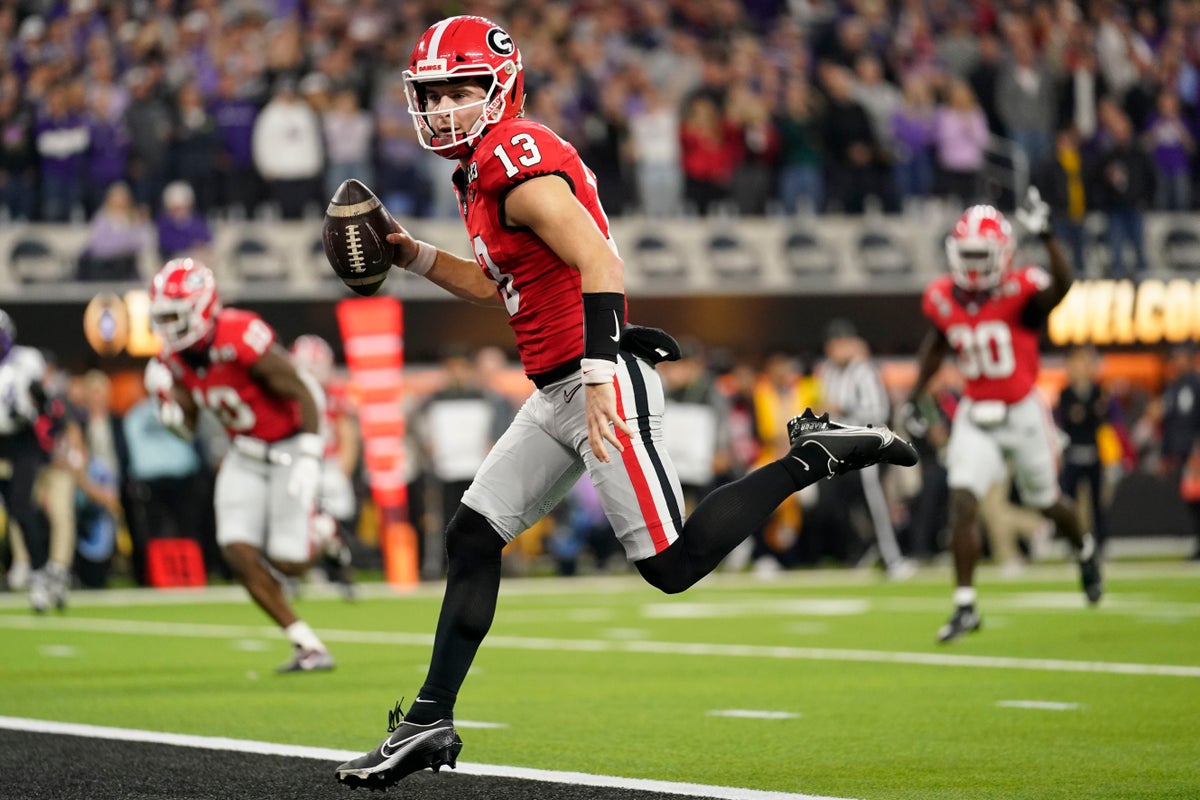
[
  {"x": 311, "y": 445},
  {"x": 422, "y": 262},
  {"x": 597, "y": 370}
]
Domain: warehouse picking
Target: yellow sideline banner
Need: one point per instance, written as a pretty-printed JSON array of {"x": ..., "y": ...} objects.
[{"x": 1108, "y": 312}]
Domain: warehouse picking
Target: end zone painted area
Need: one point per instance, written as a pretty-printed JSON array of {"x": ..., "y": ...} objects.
[{"x": 218, "y": 743}]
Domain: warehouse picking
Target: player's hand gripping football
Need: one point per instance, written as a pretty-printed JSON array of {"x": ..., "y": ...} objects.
[
  {"x": 600, "y": 406},
  {"x": 1034, "y": 213},
  {"x": 403, "y": 242}
]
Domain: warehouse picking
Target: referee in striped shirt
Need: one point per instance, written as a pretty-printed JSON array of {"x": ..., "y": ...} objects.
[{"x": 854, "y": 394}]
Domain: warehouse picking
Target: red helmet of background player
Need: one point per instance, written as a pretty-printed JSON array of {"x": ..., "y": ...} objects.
[
  {"x": 314, "y": 355},
  {"x": 183, "y": 304},
  {"x": 980, "y": 248},
  {"x": 457, "y": 48}
]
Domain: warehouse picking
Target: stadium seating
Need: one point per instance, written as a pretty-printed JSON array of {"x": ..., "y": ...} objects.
[
  {"x": 657, "y": 259},
  {"x": 882, "y": 254},
  {"x": 34, "y": 260},
  {"x": 253, "y": 259},
  {"x": 1181, "y": 249},
  {"x": 732, "y": 259},
  {"x": 806, "y": 256}
]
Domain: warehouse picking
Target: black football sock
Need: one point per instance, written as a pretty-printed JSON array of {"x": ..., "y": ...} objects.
[
  {"x": 721, "y": 522},
  {"x": 472, "y": 583}
]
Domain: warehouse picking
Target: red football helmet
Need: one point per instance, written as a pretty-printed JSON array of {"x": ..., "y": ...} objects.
[
  {"x": 183, "y": 304},
  {"x": 314, "y": 355},
  {"x": 980, "y": 248},
  {"x": 464, "y": 47}
]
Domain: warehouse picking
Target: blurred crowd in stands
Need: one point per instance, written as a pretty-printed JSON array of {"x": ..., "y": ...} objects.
[{"x": 261, "y": 107}]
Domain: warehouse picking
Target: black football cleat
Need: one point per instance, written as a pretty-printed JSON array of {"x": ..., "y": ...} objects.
[
  {"x": 1090, "y": 577},
  {"x": 336, "y": 557},
  {"x": 408, "y": 748},
  {"x": 821, "y": 444},
  {"x": 964, "y": 620},
  {"x": 339, "y": 572}
]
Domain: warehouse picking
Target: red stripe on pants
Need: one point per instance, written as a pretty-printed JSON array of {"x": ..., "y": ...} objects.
[{"x": 641, "y": 487}]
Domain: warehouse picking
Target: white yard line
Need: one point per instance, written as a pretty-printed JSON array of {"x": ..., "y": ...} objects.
[
  {"x": 749, "y": 713},
  {"x": 939, "y": 659},
  {"x": 1042, "y": 705},
  {"x": 326, "y": 754}
]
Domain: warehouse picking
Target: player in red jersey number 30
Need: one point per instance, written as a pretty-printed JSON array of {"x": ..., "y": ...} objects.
[
  {"x": 543, "y": 252},
  {"x": 991, "y": 315}
]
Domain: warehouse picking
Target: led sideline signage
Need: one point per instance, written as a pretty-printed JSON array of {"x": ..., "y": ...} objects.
[{"x": 1107, "y": 312}]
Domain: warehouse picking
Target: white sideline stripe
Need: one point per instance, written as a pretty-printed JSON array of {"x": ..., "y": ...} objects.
[
  {"x": 201, "y": 630},
  {"x": 327, "y": 754},
  {"x": 1040, "y": 704}
]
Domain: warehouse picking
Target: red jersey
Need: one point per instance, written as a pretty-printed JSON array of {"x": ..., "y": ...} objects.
[
  {"x": 337, "y": 405},
  {"x": 541, "y": 292},
  {"x": 996, "y": 343},
  {"x": 243, "y": 405}
]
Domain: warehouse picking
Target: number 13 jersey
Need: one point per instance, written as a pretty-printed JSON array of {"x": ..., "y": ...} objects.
[
  {"x": 995, "y": 335},
  {"x": 540, "y": 291}
]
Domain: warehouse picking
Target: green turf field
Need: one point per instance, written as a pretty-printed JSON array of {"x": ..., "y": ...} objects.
[{"x": 822, "y": 683}]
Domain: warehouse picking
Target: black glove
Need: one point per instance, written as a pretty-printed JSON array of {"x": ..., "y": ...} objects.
[
  {"x": 651, "y": 344},
  {"x": 910, "y": 420}
]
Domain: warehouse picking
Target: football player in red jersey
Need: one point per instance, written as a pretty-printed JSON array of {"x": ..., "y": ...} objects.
[
  {"x": 336, "y": 502},
  {"x": 226, "y": 360},
  {"x": 990, "y": 315},
  {"x": 543, "y": 252}
]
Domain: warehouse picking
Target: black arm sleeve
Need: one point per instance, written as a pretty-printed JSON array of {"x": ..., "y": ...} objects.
[{"x": 603, "y": 321}]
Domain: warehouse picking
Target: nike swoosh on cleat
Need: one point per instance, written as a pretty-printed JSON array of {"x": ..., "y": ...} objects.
[
  {"x": 802, "y": 461},
  {"x": 409, "y": 744},
  {"x": 833, "y": 461}
]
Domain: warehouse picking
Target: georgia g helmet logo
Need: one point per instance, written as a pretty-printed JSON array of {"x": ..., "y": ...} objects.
[{"x": 500, "y": 42}]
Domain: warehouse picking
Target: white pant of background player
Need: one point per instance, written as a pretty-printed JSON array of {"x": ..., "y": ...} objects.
[
  {"x": 253, "y": 505},
  {"x": 545, "y": 451},
  {"x": 985, "y": 434}
]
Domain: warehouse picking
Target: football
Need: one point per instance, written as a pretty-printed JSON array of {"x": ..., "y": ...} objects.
[{"x": 356, "y": 227}]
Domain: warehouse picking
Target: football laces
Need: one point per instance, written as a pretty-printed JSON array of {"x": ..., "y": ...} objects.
[{"x": 354, "y": 249}]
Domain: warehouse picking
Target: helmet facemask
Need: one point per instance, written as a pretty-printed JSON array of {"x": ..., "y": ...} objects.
[
  {"x": 178, "y": 324},
  {"x": 980, "y": 249},
  {"x": 492, "y": 107}
]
